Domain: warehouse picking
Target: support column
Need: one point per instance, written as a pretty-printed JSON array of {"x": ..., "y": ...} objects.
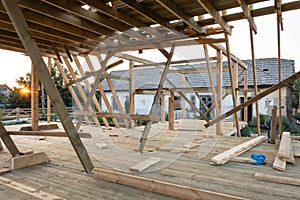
[
  {"x": 255, "y": 82},
  {"x": 162, "y": 108},
  {"x": 246, "y": 95},
  {"x": 219, "y": 75},
  {"x": 235, "y": 85},
  {"x": 131, "y": 92},
  {"x": 171, "y": 111},
  {"x": 182, "y": 100},
  {"x": 34, "y": 100},
  {"x": 48, "y": 98}
]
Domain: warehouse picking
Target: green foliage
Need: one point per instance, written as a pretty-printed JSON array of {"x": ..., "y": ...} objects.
[
  {"x": 297, "y": 116},
  {"x": 295, "y": 93},
  {"x": 287, "y": 127},
  {"x": 246, "y": 131}
]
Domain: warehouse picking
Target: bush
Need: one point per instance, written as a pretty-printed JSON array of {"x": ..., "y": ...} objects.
[{"x": 246, "y": 131}]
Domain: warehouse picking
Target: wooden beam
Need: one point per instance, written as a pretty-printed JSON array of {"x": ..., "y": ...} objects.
[
  {"x": 146, "y": 130},
  {"x": 242, "y": 159},
  {"x": 46, "y": 133},
  {"x": 20, "y": 24},
  {"x": 273, "y": 125},
  {"x": 40, "y": 127},
  {"x": 284, "y": 147},
  {"x": 131, "y": 92},
  {"x": 19, "y": 162},
  {"x": 162, "y": 108},
  {"x": 9, "y": 143},
  {"x": 233, "y": 92},
  {"x": 279, "y": 19},
  {"x": 245, "y": 94},
  {"x": 160, "y": 187},
  {"x": 209, "y": 7},
  {"x": 224, "y": 157},
  {"x": 219, "y": 76},
  {"x": 277, "y": 179},
  {"x": 127, "y": 116},
  {"x": 212, "y": 83},
  {"x": 255, "y": 82},
  {"x": 178, "y": 12},
  {"x": 49, "y": 65},
  {"x": 248, "y": 15},
  {"x": 34, "y": 99},
  {"x": 255, "y": 98},
  {"x": 171, "y": 111},
  {"x": 133, "y": 58}
]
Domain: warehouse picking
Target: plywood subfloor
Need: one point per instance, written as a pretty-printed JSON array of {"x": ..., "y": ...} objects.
[{"x": 64, "y": 176}]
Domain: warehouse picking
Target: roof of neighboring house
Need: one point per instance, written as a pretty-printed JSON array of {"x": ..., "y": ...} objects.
[
  {"x": 4, "y": 87},
  {"x": 148, "y": 78}
]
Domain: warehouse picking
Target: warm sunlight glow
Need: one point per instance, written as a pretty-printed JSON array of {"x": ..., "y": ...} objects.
[{"x": 25, "y": 91}]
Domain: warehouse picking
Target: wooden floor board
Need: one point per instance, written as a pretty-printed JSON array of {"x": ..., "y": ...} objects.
[{"x": 64, "y": 175}]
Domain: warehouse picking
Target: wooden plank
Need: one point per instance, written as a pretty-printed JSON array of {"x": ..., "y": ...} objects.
[
  {"x": 49, "y": 65},
  {"x": 219, "y": 75},
  {"x": 248, "y": 15},
  {"x": 9, "y": 143},
  {"x": 279, "y": 71},
  {"x": 174, "y": 149},
  {"x": 35, "y": 193},
  {"x": 144, "y": 164},
  {"x": 284, "y": 147},
  {"x": 279, "y": 164},
  {"x": 160, "y": 187},
  {"x": 296, "y": 149},
  {"x": 277, "y": 179},
  {"x": 291, "y": 158},
  {"x": 224, "y": 157},
  {"x": 19, "y": 162},
  {"x": 171, "y": 111},
  {"x": 255, "y": 98},
  {"x": 3, "y": 171},
  {"x": 131, "y": 92},
  {"x": 242, "y": 160},
  {"x": 46, "y": 133}
]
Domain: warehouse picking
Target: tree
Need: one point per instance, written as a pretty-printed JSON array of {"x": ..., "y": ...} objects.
[{"x": 295, "y": 95}]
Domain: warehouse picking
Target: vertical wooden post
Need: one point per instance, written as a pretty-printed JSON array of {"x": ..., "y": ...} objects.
[
  {"x": 34, "y": 100},
  {"x": 235, "y": 84},
  {"x": 219, "y": 76},
  {"x": 100, "y": 88},
  {"x": 182, "y": 100},
  {"x": 162, "y": 108},
  {"x": 131, "y": 91},
  {"x": 255, "y": 81},
  {"x": 273, "y": 125},
  {"x": 171, "y": 111},
  {"x": 232, "y": 88},
  {"x": 17, "y": 18},
  {"x": 48, "y": 98},
  {"x": 279, "y": 20},
  {"x": 81, "y": 91},
  {"x": 246, "y": 95}
]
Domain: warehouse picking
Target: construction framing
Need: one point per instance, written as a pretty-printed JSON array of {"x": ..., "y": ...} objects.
[{"x": 69, "y": 34}]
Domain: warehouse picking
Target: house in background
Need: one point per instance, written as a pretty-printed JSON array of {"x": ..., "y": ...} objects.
[
  {"x": 4, "y": 91},
  {"x": 147, "y": 79}
]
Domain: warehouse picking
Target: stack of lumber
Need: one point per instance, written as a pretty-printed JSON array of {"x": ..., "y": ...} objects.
[{"x": 285, "y": 153}]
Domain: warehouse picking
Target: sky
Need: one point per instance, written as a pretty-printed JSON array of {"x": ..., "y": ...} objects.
[{"x": 15, "y": 65}]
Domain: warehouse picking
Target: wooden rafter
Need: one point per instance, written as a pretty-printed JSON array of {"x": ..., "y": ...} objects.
[
  {"x": 215, "y": 14},
  {"x": 177, "y": 11},
  {"x": 248, "y": 15}
]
